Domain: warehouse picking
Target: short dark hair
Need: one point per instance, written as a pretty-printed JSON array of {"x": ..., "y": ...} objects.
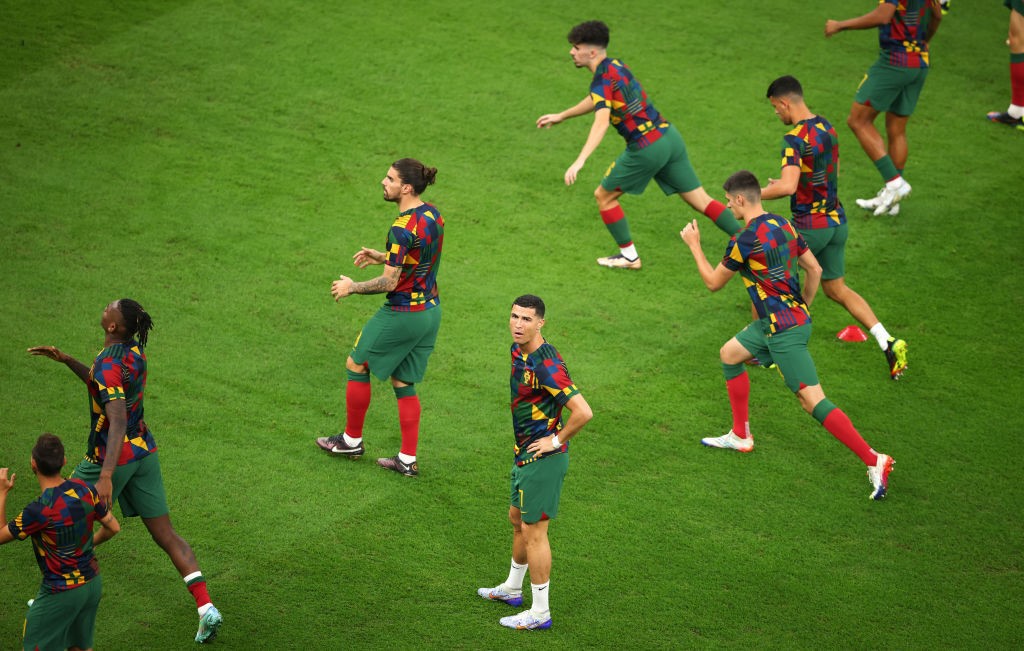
[
  {"x": 415, "y": 173},
  {"x": 48, "y": 453},
  {"x": 531, "y": 302},
  {"x": 136, "y": 319},
  {"x": 591, "y": 32},
  {"x": 785, "y": 86},
  {"x": 745, "y": 184}
]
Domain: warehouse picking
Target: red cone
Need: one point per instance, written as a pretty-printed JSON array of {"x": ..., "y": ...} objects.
[{"x": 852, "y": 333}]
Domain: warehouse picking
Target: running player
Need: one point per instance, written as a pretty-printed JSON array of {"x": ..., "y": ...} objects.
[
  {"x": 766, "y": 253},
  {"x": 810, "y": 167},
  {"x": 654, "y": 147}
]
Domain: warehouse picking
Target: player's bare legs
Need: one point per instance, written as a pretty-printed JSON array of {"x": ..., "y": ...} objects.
[
  {"x": 837, "y": 290},
  {"x": 862, "y": 122},
  {"x": 177, "y": 549},
  {"x": 896, "y": 132}
]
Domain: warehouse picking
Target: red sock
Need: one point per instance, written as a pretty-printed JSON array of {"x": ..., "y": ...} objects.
[
  {"x": 739, "y": 396},
  {"x": 612, "y": 215},
  {"x": 409, "y": 422},
  {"x": 713, "y": 210},
  {"x": 198, "y": 590},
  {"x": 838, "y": 425},
  {"x": 357, "y": 401},
  {"x": 1017, "y": 83}
]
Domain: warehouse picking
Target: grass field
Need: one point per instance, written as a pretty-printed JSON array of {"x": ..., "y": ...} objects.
[{"x": 219, "y": 162}]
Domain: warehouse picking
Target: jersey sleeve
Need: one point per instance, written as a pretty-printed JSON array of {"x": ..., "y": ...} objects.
[
  {"x": 108, "y": 374},
  {"x": 734, "y": 256},
  {"x": 554, "y": 378},
  {"x": 400, "y": 241},
  {"x": 602, "y": 90},
  {"x": 792, "y": 151},
  {"x": 31, "y": 520}
]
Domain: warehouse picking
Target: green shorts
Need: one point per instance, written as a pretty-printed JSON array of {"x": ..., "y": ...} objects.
[
  {"x": 138, "y": 486},
  {"x": 398, "y": 344},
  {"x": 1015, "y": 5},
  {"x": 665, "y": 161},
  {"x": 829, "y": 246},
  {"x": 891, "y": 89},
  {"x": 58, "y": 620},
  {"x": 537, "y": 487},
  {"x": 787, "y": 349}
]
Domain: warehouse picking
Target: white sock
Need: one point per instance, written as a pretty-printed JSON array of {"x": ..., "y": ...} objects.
[
  {"x": 352, "y": 441},
  {"x": 516, "y": 574},
  {"x": 1016, "y": 111},
  {"x": 881, "y": 335},
  {"x": 629, "y": 252},
  {"x": 204, "y": 608},
  {"x": 406, "y": 459},
  {"x": 540, "y": 598},
  {"x": 895, "y": 183}
]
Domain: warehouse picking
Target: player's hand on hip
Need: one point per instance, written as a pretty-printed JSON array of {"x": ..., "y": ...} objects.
[
  {"x": 341, "y": 288},
  {"x": 52, "y": 352}
]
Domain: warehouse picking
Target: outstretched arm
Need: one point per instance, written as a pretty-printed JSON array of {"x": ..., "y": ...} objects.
[
  {"x": 547, "y": 120},
  {"x": 880, "y": 15},
  {"x": 602, "y": 119},
  {"x": 386, "y": 282},
  {"x": 57, "y": 355}
]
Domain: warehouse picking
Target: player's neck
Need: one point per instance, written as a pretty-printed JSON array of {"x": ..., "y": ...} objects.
[
  {"x": 49, "y": 482},
  {"x": 408, "y": 202},
  {"x": 596, "y": 61},
  {"x": 531, "y": 346}
]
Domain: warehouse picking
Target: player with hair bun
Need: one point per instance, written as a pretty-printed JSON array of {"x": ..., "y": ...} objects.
[{"x": 398, "y": 339}]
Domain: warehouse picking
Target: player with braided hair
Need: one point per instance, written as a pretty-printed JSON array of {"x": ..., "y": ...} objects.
[{"x": 121, "y": 458}]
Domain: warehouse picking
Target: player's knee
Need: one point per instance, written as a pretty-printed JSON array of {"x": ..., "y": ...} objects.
[{"x": 834, "y": 290}]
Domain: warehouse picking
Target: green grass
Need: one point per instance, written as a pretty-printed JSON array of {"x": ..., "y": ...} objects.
[{"x": 219, "y": 161}]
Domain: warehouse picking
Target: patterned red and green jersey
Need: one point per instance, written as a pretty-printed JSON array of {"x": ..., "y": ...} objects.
[
  {"x": 614, "y": 87},
  {"x": 765, "y": 253},
  {"x": 812, "y": 146},
  {"x": 541, "y": 386},
  {"x": 902, "y": 39},
  {"x": 119, "y": 373},
  {"x": 414, "y": 244},
  {"x": 60, "y": 523}
]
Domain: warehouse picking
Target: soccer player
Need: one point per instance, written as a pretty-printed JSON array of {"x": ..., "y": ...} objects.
[
  {"x": 766, "y": 253},
  {"x": 60, "y": 522},
  {"x": 1014, "y": 115},
  {"x": 810, "y": 166},
  {"x": 541, "y": 389},
  {"x": 121, "y": 459},
  {"x": 654, "y": 147},
  {"x": 892, "y": 85},
  {"x": 398, "y": 339}
]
